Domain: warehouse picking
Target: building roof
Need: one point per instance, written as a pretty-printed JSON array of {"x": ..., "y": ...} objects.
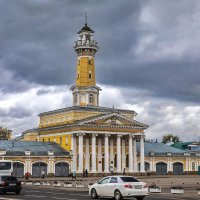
[
  {"x": 18, "y": 148},
  {"x": 87, "y": 108},
  {"x": 86, "y": 28},
  {"x": 181, "y": 145},
  {"x": 158, "y": 149}
]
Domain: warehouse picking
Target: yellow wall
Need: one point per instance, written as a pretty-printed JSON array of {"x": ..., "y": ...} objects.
[
  {"x": 59, "y": 139},
  {"x": 31, "y": 136},
  {"x": 65, "y": 118},
  {"x": 83, "y": 69}
]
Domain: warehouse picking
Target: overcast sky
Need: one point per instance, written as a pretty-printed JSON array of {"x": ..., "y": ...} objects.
[{"x": 148, "y": 60}]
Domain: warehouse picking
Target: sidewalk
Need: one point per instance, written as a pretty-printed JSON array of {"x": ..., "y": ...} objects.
[{"x": 163, "y": 181}]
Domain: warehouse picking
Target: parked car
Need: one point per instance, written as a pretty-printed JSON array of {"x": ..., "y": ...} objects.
[
  {"x": 119, "y": 187},
  {"x": 9, "y": 184}
]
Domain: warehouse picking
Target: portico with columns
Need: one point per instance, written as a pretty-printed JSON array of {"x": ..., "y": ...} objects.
[{"x": 95, "y": 152}]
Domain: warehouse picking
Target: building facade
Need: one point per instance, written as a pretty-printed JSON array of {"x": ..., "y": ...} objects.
[
  {"x": 34, "y": 157},
  {"x": 102, "y": 139}
]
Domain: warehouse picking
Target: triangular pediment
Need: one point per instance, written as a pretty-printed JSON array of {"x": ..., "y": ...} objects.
[{"x": 113, "y": 119}]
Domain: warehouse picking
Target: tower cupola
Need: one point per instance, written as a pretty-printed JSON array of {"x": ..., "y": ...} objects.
[{"x": 85, "y": 92}]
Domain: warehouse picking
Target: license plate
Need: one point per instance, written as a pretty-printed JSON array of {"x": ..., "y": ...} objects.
[
  {"x": 138, "y": 187},
  {"x": 12, "y": 184}
]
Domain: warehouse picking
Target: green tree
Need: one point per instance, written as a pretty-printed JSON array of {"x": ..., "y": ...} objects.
[
  {"x": 5, "y": 133},
  {"x": 170, "y": 138}
]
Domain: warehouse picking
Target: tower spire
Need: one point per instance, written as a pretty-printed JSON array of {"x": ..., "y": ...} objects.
[{"x": 85, "y": 18}]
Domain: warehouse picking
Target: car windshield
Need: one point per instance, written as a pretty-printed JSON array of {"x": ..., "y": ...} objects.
[
  {"x": 128, "y": 179},
  {"x": 8, "y": 178}
]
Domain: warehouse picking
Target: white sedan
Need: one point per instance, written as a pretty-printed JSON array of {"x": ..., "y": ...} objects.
[{"x": 119, "y": 187}]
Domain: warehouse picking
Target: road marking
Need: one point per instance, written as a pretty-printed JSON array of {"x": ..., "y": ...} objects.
[
  {"x": 55, "y": 192},
  {"x": 165, "y": 198},
  {"x": 9, "y": 199},
  {"x": 62, "y": 198},
  {"x": 84, "y": 195},
  {"x": 35, "y": 196}
]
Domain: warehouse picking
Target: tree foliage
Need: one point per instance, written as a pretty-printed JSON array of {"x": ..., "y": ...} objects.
[
  {"x": 5, "y": 133},
  {"x": 170, "y": 138}
]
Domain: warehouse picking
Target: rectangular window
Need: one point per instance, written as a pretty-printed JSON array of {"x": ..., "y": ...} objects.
[
  {"x": 66, "y": 142},
  {"x": 60, "y": 140}
]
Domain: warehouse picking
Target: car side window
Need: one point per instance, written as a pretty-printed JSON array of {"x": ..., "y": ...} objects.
[
  {"x": 104, "y": 181},
  {"x": 113, "y": 180}
]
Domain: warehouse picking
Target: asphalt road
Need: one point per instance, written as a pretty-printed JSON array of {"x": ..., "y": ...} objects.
[{"x": 37, "y": 193}]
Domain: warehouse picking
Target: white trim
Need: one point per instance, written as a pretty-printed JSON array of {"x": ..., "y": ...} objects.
[
  {"x": 178, "y": 161},
  {"x": 98, "y": 132},
  {"x": 161, "y": 162}
]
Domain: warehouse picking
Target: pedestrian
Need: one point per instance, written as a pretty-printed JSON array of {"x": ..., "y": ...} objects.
[
  {"x": 124, "y": 171},
  {"x": 43, "y": 174},
  {"x": 86, "y": 173},
  {"x": 70, "y": 173},
  {"x": 83, "y": 173},
  {"x": 26, "y": 176},
  {"x": 74, "y": 175}
]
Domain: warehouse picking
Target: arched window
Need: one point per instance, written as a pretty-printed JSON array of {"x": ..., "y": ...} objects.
[
  {"x": 90, "y": 74},
  {"x": 91, "y": 98},
  {"x": 193, "y": 166},
  {"x": 75, "y": 98}
]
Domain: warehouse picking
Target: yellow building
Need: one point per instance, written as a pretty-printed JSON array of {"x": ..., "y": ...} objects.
[{"x": 102, "y": 139}]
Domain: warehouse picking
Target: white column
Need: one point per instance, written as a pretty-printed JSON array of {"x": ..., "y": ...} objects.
[
  {"x": 135, "y": 164},
  {"x": 130, "y": 153},
  {"x": 186, "y": 165},
  {"x": 119, "y": 160},
  {"x": 52, "y": 164},
  {"x": 80, "y": 153},
  {"x": 123, "y": 154},
  {"x": 26, "y": 166},
  {"x": 189, "y": 165},
  {"x": 142, "y": 154},
  {"x": 74, "y": 155},
  {"x": 99, "y": 156},
  {"x": 106, "y": 154},
  {"x": 111, "y": 153},
  {"x": 94, "y": 153},
  {"x": 151, "y": 165},
  {"x": 87, "y": 154}
]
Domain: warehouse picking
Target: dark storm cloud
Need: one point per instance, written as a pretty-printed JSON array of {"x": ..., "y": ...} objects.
[
  {"x": 15, "y": 111},
  {"x": 142, "y": 46}
]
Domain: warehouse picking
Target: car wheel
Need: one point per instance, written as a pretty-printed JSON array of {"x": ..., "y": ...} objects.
[
  {"x": 18, "y": 192},
  {"x": 139, "y": 198},
  {"x": 117, "y": 195},
  {"x": 94, "y": 194}
]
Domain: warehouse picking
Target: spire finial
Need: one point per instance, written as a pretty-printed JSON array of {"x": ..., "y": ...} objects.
[{"x": 85, "y": 18}]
